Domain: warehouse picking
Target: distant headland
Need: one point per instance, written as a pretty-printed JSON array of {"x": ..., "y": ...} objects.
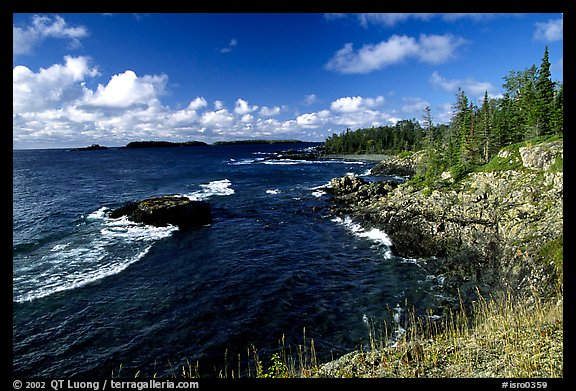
[
  {"x": 169, "y": 144},
  {"x": 163, "y": 144}
]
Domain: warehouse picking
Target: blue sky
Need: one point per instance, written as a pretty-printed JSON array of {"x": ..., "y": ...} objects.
[{"x": 80, "y": 79}]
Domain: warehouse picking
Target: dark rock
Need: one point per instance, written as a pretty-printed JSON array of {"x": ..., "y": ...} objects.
[{"x": 169, "y": 210}]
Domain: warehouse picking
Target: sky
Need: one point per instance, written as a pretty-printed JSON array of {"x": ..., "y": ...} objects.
[{"x": 109, "y": 79}]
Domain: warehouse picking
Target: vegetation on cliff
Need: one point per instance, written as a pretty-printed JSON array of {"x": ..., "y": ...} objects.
[{"x": 531, "y": 106}]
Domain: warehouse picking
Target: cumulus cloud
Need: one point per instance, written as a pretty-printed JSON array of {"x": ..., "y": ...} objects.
[
  {"x": 50, "y": 87},
  {"x": 242, "y": 107},
  {"x": 269, "y": 111},
  {"x": 127, "y": 89},
  {"x": 217, "y": 119},
  {"x": 550, "y": 31},
  {"x": 469, "y": 86},
  {"x": 433, "y": 49},
  {"x": 354, "y": 104},
  {"x": 187, "y": 116},
  {"x": 313, "y": 120},
  {"x": 24, "y": 39}
]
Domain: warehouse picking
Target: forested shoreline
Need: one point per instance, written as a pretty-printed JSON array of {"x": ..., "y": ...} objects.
[{"x": 531, "y": 106}]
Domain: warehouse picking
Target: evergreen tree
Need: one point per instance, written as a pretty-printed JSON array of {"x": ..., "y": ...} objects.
[
  {"x": 558, "y": 111},
  {"x": 485, "y": 129},
  {"x": 427, "y": 122},
  {"x": 545, "y": 96}
]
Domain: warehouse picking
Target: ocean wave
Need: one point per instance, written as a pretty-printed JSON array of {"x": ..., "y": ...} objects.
[
  {"x": 54, "y": 283},
  {"x": 318, "y": 191},
  {"x": 273, "y": 191},
  {"x": 375, "y": 235},
  {"x": 102, "y": 248},
  {"x": 215, "y": 188}
]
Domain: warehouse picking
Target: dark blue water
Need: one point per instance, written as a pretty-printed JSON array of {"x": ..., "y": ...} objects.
[{"x": 92, "y": 294}]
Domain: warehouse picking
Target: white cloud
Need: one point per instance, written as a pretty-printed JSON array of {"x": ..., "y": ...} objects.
[
  {"x": 469, "y": 86},
  {"x": 127, "y": 89},
  {"x": 182, "y": 118},
  {"x": 218, "y": 105},
  {"x": 197, "y": 103},
  {"x": 269, "y": 112},
  {"x": 216, "y": 119},
  {"x": 50, "y": 87},
  {"x": 550, "y": 31},
  {"x": 354, "y": 104},
  {"x": 242, "y": 107},
  {"x": 24, "y": 39},
  {"x": 433, "y": 49},
  {"x": 247, "y": 118}
]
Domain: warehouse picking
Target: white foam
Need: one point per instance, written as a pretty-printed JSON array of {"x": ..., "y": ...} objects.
[
  {"x": 318, "y": 193},
  {"x": 60, "y": 247},
  {"x": 368, "y": 172},
  {"x": 98, "y": 214},
  {"x": 274, "y": 191},
  {"x": 57, "y": 283},
  {"x": 91, "y": 255},
  {"x": 376, "y": 235},
  {"x": 282, "y": 162},
  {"x": 300, "y": 161},
  {"x": 215, "y": 188},
  {"x": 241, "y": 162},
  {"x": 328, "y": 185}
]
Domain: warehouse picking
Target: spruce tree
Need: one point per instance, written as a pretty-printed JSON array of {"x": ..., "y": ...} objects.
[
  {"x": 545, "y": 96},
  {"x": 558, "y": 114},
  {"x": 485, "y": 129}
]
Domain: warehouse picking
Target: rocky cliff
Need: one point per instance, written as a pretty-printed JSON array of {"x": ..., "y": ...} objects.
[{"x": 497, "y": 228}]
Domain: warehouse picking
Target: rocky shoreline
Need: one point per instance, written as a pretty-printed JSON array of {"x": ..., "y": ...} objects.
[
  {"x": 494, "y": 231},
  {"x": 488, "y": 231}
]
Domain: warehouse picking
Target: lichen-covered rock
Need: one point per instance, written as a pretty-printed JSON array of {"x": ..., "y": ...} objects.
[
  {"x": 169, "y": 210},
  {"x": 541, "y": 156}
]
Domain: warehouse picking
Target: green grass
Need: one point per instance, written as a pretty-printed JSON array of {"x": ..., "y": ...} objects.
[{"x": 498, "y": 337}]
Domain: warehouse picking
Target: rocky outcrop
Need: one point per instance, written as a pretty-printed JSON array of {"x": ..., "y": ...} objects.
[
  {"x": 169, "y": 210},
  {"x": 491, "y": 230},
  {"x": 353, "y": 190},
  {"x": 401, "y": 166},
  {"x": 541, "y": 156}
]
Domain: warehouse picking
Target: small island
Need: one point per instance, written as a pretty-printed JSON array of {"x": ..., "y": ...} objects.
[{"x": 93, "y": 147}]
